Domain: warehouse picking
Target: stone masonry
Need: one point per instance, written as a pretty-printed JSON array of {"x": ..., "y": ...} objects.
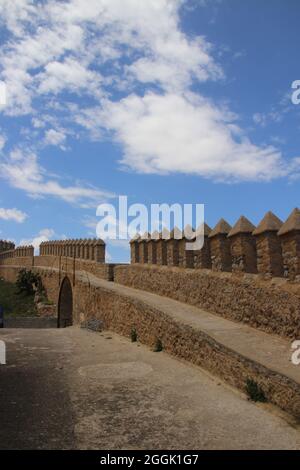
[
  {"x": 220, "y": 246},
  {"x": 88, "y": 249},
  {"x": 243, "y": 246},
  {"x": 271, "y": 250},
  {"x": 202, "y": 258},
  {"x": 268, "y": 246},
  {"x": 134, "y": 249},
  {"x": 290, "y": 242}
]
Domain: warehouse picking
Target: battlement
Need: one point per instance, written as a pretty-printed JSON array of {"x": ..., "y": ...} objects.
[
  {"x": 6, "y": 246},
  {"x": 272, "y": 249},
  {"x": 87, "y": 249},
  {"x": 24, "y": 251},
  {"x": 19, "y": 252}
]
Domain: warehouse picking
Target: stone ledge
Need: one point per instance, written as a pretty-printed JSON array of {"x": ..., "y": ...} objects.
[
  {"x": 231, "y": 351},
  {"x": 270, "y": 305}
]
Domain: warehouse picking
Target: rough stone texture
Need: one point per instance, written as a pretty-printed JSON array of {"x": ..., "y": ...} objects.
[
  {"x": 268, "y": 246},
  {"x": 70, "y": 265},
  {"x": 290, "y": 243},
  {"x": 6, "y": 246},
  {"x": 134, "y": 251},
  {"x": 161, "y": 252},
  {"x": 270, "y": 223},
  {"x": 152, "y": 255},
  {"x": 220, "y": 253},
  {"x": 121, "y": 313},
  {"x": 243, "y": 247},
  {"x": 25, "y": 262},
  {"x": 121, "y": 309},
  {"x": 89, "y": 249},
  {"x": 172, "y": 252},
  {"x": 46, "y": 310},
  {"x": 243, "y": 253},
  {"x": 229, "y": 249},
  {"x": 269, "y": 254},
  {"x": 220, "y": 247},
  {"x": 186, "y": 257},
  {"x": 292, "y": 223},
  {"x": 271, "y": 305},
  {"x": 202, "y": 258},
  {"x": 143, "y": 251}
]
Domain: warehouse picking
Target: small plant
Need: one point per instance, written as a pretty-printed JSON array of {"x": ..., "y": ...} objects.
[
  {"x": 28, "y": 281},
  {"x": 133, "y": 335},
  {"x": 47, "y": 302},
  {"x": 254, "y": 391},
  {"x": 158, "y": 345}
]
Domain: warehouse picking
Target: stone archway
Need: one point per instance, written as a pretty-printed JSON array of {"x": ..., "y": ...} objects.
[{"x": 65, "y": 304}]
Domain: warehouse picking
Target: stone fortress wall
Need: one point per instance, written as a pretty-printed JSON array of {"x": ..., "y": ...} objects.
[
  {"x": 244, "y": 281},
  {"x": 272, "y": 249},
  {"x": 245, "y": 274},
  {"x": 8, "y": 251},
  {"x": 88, "y": 249}
]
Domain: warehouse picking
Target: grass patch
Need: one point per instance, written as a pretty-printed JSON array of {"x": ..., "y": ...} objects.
[
  {"x": 15, "y": 303},
  {"x": 255, "y": 392}
]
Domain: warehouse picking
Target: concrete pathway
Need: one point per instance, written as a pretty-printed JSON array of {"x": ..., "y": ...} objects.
[
  {"x": 72, "y": 388},
  {"x": 268, "y": 350}
]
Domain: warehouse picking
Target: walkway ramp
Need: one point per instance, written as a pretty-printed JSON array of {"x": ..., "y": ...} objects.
[{"x": 234, "y": 351}]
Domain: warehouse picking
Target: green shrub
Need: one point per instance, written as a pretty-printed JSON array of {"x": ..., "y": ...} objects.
[
  {"x": 133, "y": 335},
  {"x": 158, "y": 345},
  {"x": 28, "y": 281},
  {"x": 14, "y": 302},
  {"x": 254, "y": 391}
]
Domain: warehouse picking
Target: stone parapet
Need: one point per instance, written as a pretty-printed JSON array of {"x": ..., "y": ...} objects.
[
  {"x": 88, "y": 249},
  {"x": 272, "y": 249}
]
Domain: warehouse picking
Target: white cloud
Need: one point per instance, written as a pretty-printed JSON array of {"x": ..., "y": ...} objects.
[
  {"x": 2, "y": 141},
  {"x": 69, "y": 74},
  {"x": 17, "y": 14},
  {"x": 43, "y": 236},
  {"x": 12, "y": 214},
  {"x": 91, "y": 34},
  {"x": 97, "y": 48},
  {"x": 263, "y": 119},
  {"x": 187, "y": 134},
  {"x": 38, "y": 123},
  {"x": 54, "y": 137},
  {"x": 22, "y": 171}
]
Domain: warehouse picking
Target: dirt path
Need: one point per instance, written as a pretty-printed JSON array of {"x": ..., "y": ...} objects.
[{"x": 72, "y": 388}]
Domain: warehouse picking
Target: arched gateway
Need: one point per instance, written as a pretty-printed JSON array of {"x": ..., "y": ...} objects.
[{"x": 65, "y": 304}]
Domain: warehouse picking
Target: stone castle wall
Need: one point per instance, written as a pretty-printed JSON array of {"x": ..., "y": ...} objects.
[
  {"x": 21, "y": 256},
  {"x": 242, "y": 273},
  {"x": 6, "y": 246},
  {"x": 271, "y": 305},
  {"x": 121, "y": 313},
  {"x": 87, "y": 249},
  {"x": 272, "y": 249}
]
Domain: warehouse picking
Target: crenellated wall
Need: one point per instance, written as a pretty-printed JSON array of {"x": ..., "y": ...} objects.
[
  {"x": 270, "y": 304},
  {"x": 6, "y": 246},
  {"x": 88, "y": 249},
  {"x": 272, "y": 249},
  {"x": 22, "y": 256}
]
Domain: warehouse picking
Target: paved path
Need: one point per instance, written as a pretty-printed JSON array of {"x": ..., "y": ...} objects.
[
  {"x": 268, "y": 350},
  {"x": 72, "y": 388}
]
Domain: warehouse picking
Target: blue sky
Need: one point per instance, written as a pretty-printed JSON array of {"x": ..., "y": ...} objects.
[{"x": 162, "y": 101}]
